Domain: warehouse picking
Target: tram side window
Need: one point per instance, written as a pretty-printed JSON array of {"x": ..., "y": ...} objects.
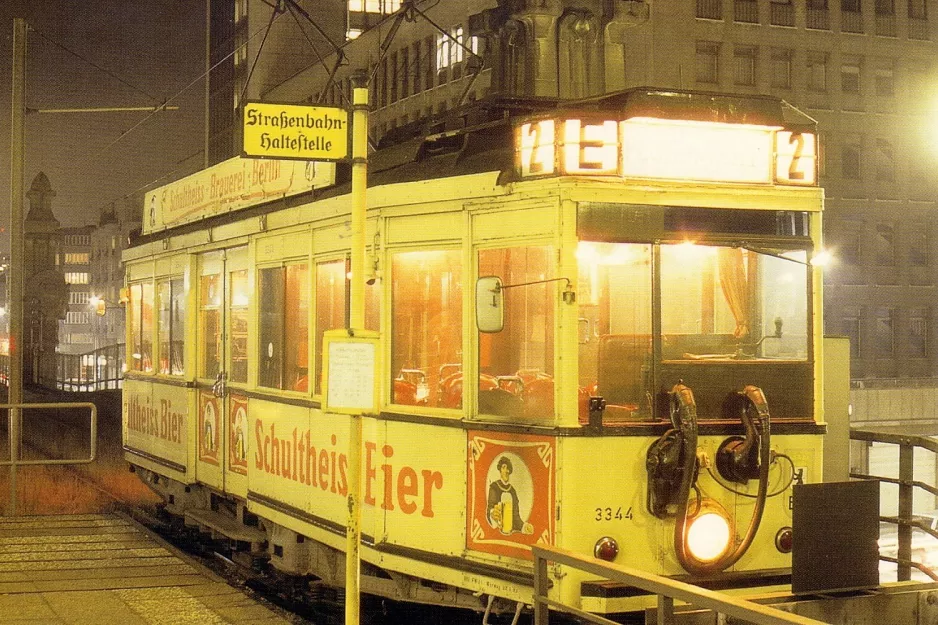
[
  {"x": 210, "y": 294},
  {"x": 426, "y": 328},
  {"x": 238, "y": 315},
  {"x": 516, "y": 364},
  {"x": 141, "y": 326},
  {"x": 330, "y": 306},
  {"x": 284, "y": 327},
  {"x": 171, "y": 325},
  {"x": 614, "y": 295}
]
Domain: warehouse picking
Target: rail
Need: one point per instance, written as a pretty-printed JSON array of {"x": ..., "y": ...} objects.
[
  {"x": 667, "y": 590},
  {"x": 14, "y": 432},
  {"x": 905, "y": 520},
  {"x": 98, "y": 370}
]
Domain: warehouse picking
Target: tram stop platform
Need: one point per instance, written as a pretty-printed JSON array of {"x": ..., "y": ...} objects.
[{"x": 102, "y": 569}]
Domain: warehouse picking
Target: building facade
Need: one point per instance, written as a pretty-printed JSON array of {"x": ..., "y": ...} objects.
[
  {"x": 73, "y": 257},
  {"x": 867, "y": 70}
]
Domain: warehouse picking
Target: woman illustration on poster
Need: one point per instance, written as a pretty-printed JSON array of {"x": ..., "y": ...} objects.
[{"x": 504, "y": 505}]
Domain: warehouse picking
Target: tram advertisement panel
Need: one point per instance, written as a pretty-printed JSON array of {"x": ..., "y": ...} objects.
[
  {"x": 238, "y": 434},
  {"x": 209, "y": 427},
  {"x": 511, "y": 493},
  {"x": 155, "y": 421},
  {"x": 418, "y": 489}
]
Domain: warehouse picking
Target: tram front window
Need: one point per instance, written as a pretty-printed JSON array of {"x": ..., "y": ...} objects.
[{"x": 729, "y": 316}]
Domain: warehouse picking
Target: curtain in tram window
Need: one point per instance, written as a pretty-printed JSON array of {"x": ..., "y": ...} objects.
[{"x": 737, "y": 279}]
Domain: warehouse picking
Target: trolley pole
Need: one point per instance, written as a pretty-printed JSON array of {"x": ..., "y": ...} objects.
[
  {"x": 356, "y": 322},
  {"x": 17, "y": 261}
]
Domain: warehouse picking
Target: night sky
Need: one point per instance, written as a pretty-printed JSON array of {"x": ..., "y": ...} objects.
[{"x": 146, "y": 51}]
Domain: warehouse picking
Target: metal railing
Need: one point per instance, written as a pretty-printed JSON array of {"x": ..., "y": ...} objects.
[
  {"x": 99, "y": 370},
  {"x": 667, "y": 590},
  {"x": 15, "y": 435},
  {"x": 907, "y": 484}
]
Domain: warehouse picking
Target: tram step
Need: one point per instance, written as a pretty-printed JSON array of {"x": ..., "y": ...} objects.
[{"x": 224, "y": 525}]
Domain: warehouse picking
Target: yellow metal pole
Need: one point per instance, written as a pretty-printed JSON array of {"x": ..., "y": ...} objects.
[
  {"x": 17, "y": 261},
  {"x": 356, "y": 322}
]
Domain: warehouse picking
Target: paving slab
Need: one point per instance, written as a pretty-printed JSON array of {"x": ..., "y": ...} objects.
[{"x": 102, "y": 569}]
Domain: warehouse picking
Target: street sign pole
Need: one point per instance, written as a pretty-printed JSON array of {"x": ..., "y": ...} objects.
[
  {"x": 17, "y": 261},
  {"x": 356, "y": 322}
]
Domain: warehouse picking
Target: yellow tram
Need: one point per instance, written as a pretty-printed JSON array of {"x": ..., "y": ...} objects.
[{"x": 600, "y": 329}]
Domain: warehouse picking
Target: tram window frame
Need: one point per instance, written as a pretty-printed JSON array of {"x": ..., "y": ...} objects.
[
  {"x": 325, "y": 312},
  {"x": 239, "y": 334},
  {"x": 522, "y": 392},
  {"x": 424, "y": 378},
  {"x": 142, "y": 326},
  {"x": 283, "y": 326},
  {"x": 171, "y": 325},
  {"x": 708, "y": 372},
  {"x": 210, "y": 331}
]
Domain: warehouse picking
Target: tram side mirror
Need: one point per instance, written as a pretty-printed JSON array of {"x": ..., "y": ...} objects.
[
  {"x": 778, "y": 327},
  {"x": 490, "y": 304}
]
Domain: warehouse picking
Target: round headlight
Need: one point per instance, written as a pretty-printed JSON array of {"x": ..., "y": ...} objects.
[
  {"x": 708, "y": 534},
  {"x": 783, "y": 540},
  {"x": 606, "y": 549}
]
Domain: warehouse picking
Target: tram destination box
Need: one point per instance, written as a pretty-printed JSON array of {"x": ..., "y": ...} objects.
[{"x": 835, "y": 526}]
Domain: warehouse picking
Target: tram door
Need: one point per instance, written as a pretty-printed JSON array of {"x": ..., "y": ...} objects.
[{"x": 223, "y": 301}]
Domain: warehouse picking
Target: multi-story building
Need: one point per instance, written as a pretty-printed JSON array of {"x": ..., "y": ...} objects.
[
  {"x": 73, "y": 258},
  {"x": 108, "y": 239},
  {"x": 252, "y": 51},
  {"x": 867, "y": 70}
]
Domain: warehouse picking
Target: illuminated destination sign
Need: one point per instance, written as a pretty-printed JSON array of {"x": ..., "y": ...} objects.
[
  {"x": 228, "y": 186},
  {"x": 645, "y": 147},
  {"x": 313, "y": 133}
]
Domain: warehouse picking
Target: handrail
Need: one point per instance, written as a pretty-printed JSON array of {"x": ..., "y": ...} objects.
[
  {"x": 906, "y": 483},
  {"x": 665, "y": 588},
  {"x": 15, "y": 432}
]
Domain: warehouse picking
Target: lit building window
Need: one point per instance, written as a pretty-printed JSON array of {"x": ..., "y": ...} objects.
[
  {"x": 885, "y": 82},
  {"x": 76, "y": 277},
  {"x": 885, "y": 245},
  {"x": 708, "y": 62},
  {"x": 850, "y": 75},
  {"x": 77, "y": 258},
  {"x": 817, "y": 72},
  {"x": 79, "y": 297},
  {"x": 850, "y": 158},
  {"x": 917, "y": 245},
  {"x": 384, "y": 7},
  {"x": 885, "y": 161},
  {"x": 884, "y": 334},
  {"x": 781, "y": 68},
  {"x": 449, "y": 48},
  {"x": 851, "y": 329},
  {"x": 918, "y": 333},
  {"x": 744, "y": 58}
]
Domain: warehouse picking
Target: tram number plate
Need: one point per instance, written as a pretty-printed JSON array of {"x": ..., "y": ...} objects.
[{"x": 613, "y": 514}]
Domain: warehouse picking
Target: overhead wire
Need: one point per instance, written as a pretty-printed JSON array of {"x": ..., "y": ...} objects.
[
  {"x": 127, "y": 83},
  {"x": 184, "y": 89}
]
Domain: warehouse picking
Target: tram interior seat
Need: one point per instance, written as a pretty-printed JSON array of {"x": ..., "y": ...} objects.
[{"x": 624, "y": 376}]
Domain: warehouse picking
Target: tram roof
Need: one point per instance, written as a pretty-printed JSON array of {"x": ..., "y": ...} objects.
[{"x": 477, "y": 137}]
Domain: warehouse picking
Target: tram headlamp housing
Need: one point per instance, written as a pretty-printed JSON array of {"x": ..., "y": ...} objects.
[{"x": 709, "y": 533}]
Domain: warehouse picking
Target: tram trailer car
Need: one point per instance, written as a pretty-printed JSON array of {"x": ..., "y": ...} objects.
[{"x": 600, "y": 329}]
